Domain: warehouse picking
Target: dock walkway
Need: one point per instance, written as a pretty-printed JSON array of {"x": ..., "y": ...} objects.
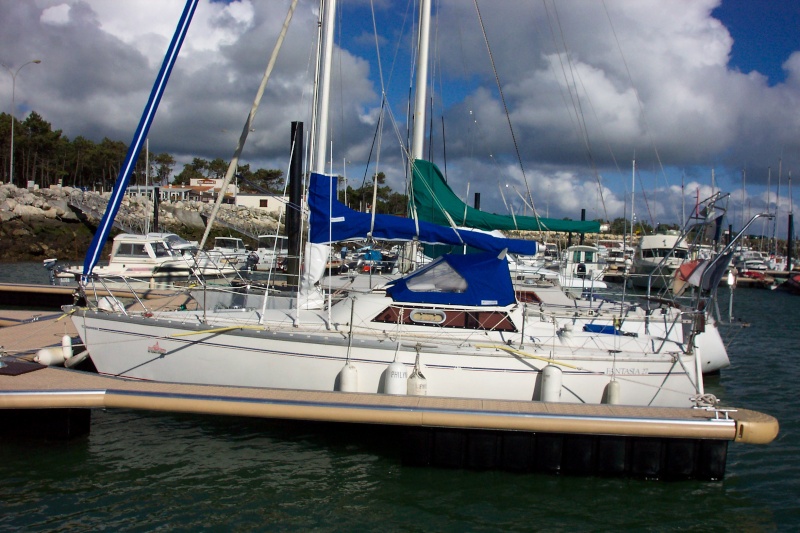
[{"x": 43, "y": 387}]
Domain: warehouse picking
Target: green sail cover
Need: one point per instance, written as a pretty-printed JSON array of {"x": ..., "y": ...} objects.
[{"x": 433, "y": 196}]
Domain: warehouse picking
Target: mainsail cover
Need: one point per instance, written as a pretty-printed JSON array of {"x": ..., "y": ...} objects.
[
  {"x": 332, "y": 221},
  {"x": 433, "y": 197}
]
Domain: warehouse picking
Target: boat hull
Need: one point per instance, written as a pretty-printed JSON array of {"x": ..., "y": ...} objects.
[{"x": 189, "y": 352}]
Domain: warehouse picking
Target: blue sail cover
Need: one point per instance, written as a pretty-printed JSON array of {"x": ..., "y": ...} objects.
[
  {"x": 332, "y": 221},
  {"x": 472, "y": 279}
]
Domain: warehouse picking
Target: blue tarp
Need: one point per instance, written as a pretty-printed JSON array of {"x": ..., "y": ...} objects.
[
  {"x": 599, "y": 328},
  {"x": 473, "y": 279},
  {"x": 332, "y": 221}
]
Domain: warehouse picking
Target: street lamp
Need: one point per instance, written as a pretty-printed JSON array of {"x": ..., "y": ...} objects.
[{"x": 13, "y": 109}]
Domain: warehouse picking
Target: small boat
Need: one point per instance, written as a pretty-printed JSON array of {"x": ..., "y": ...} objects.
[
  {"x": 271, "y": 252},
  {"x": 154, "y": 258},
  {"x": 582, "y": 267},
  {"x": 230, "y": 251},
  {"x": 615, "y": 253},
  {"x": 656, "y": 259}
]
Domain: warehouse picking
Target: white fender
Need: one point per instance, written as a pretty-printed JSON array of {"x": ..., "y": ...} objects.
[
  {"x": 396, "y": 379},
  {"x": 50, "y": 356},
  {"x": 551, "y": 383},
  {"x": 348, "y": 378}
]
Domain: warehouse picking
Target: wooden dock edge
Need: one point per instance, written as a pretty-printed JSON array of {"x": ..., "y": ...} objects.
[{"x": 54, "y": 391}]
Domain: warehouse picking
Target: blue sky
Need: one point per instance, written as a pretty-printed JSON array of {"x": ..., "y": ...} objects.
[
  {"x": 764, "y": 34},
  {"x": 686, "y": 87}
]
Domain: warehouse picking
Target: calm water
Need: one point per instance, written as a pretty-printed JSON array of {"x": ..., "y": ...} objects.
[{"x": 143, "y": 471}]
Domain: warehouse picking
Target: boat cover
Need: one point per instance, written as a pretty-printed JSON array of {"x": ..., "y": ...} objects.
[
  {"x": 332, "y": 221},
  {"x": 433, "y": 197},
  {"x": 472, "y": 280}
]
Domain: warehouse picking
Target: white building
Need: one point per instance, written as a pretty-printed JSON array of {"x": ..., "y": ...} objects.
[{"x": 271, "y": 203}]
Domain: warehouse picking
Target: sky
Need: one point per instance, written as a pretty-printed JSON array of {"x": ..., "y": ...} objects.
[{"x": 552, "y": 113}]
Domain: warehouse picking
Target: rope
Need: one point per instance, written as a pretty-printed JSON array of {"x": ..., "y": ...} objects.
[{"x": 705, "y": 400}]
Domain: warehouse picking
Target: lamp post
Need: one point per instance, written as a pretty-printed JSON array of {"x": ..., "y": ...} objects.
[{"x": 13, "y": 110}]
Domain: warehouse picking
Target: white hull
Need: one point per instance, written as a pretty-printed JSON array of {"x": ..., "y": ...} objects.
[{"x": 178, "y": 348}]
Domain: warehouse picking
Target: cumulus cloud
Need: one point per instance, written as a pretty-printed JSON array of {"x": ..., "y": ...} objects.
[{"x": 587, "y": 87}]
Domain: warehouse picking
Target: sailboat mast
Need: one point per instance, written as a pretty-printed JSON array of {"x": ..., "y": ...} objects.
[
  {"x": 321, "y": 129},
  {"x": 418, "y": 135},
  {"x": 633, "y": 196}
]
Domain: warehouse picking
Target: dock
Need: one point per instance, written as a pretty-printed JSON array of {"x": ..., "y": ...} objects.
[
  {"x": 581, "y": 439},
  {"x": 31, "y": 295}
]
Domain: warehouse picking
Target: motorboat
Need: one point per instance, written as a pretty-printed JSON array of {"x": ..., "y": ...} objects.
[
  {"x": 230, "y": 251},
  {"x": 154, "y": 258},
  {"x": 271, "y": 252},
  {"x": 582, "y": 267},
  {"x": 656, "y": 259},
  {"x": 615, "y": 253}
]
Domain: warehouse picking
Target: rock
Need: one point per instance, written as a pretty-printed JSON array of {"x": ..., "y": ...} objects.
[
  {"x": 69, "y": 216},
  {"x": 28, "y": 212}
]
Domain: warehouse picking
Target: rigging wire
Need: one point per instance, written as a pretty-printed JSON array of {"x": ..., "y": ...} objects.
[
  {"x": 636, "y": 93},
  {"x": 505, "y": 107},
  {"x": 583, "y": 128}
]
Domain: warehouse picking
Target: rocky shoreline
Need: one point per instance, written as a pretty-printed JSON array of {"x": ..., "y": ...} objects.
[{"x": 59, "y": 222}]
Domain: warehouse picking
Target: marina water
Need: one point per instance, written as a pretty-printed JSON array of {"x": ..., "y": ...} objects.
[{"x": 140, "y": 471}]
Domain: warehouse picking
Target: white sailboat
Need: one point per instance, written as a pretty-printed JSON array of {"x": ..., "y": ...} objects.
[{"x": 455, "y": 327}]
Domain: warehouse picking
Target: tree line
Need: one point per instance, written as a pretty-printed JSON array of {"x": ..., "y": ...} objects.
[{"x": 48, "y": 157}]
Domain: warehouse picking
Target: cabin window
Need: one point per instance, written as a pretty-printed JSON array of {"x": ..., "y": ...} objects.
[
  {"x": 263, "y": 203},
  {"x": 450, "y": 318},
  {"x": 131, "y": 249},
  {"x": 160, "y": 249},
  {"x": 438, "y": 277},
  {"x": 428, "y": 316}
]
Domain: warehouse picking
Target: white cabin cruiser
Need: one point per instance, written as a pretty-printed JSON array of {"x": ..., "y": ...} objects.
[
  {"x": 656, "y": 259},
  {"x": 230, "y": 251},
  {"x": 582, "y": 268},
  {"x": 160, "y": 258}
]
